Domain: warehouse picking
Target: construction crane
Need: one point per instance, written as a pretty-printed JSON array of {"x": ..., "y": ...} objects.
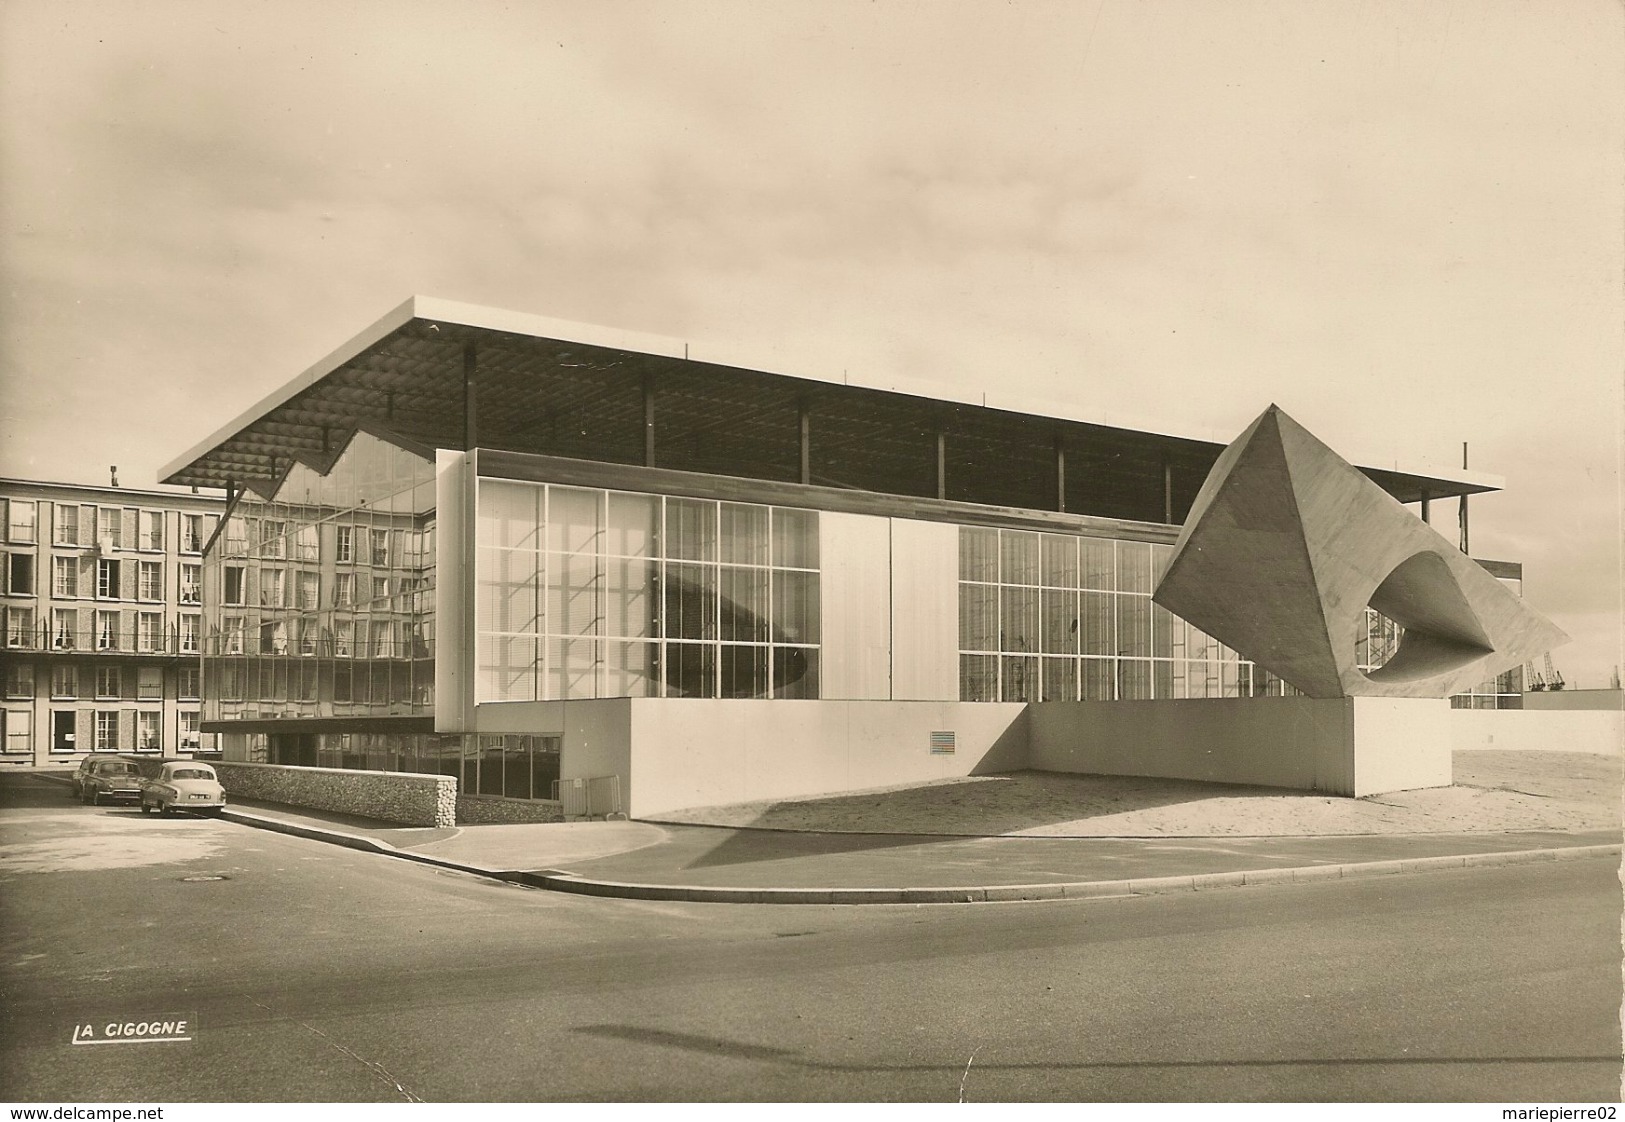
[
  {"x": 1534, "y": 682},
  {"x": 1554, "y": 680}
]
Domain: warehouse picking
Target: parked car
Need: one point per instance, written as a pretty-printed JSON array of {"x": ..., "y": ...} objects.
[
  {"x": 76, "y": 782},
  {"x": 109, "y": 778},
  {"x": 184, "y": 785}
]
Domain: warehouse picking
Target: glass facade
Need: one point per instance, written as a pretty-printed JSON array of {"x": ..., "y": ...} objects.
[
  {"x": 508, "y": 766},
  {"x": 321, "y": 601},
  {"x": 1057, "y": 617},
  {"x": 584, "y": 593}
]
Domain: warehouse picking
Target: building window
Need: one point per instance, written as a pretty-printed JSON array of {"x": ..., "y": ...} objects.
[
  {"x": 310, "y": 591},
  {"x": 150, "y": 582},
  {"x": 20, "y": 628},
  {"x": 18, "y": 574},
  {"x": 114, "y": 527},
  {"x": 344, "y": 590},
  {"x": 193, "y": 536},
  {"x": 380, "y": 592},
  {"x": 65, "y": 577},
  {"x": 273, "y": 540},
  {"x": 345, "y": 543},
  {"x": 64, "y": 623},
  {"x": 306, "y": 544},
  {"x": 151, "y": 533},
  {"x": 21, "y": 515},
  {"x": 236, "y": 536},
  {"x": 107, "y": 637},
  {"x": 149, "y": 729},
  {"x": 19, "y": 678},
  {"x": 65, "y": 680},
  {"x": 191, "y": 583},
  {"x": 107, "y": 579},
  {"x": 273, "y": 588},
  {"x": 65, "y": 531},
  {"x": 380, "y": 547},
  {"x": 188, "y": 683},
  {"x": 108, "y": 680},
  {"x": 186, "y": 723},
  {"x": 106, "y": 730},
  {"x": 19, "y": 731},
  {"x": 232, "y": 630},
  {"x": 191, "y": 626},
  {"x": 236, "y": 584},
  {"x": 150, "y": 631},
  {"x": 149, "y": 683}
]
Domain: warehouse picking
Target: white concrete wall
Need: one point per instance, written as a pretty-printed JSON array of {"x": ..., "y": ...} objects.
[
  {"x": 1606, "y": 700},
  {"x": 1344, "y": 746},
  {"x": 688, "y": 752},
  {"x": 924, "y": 611},
  {"x": 453, "y": 593},
  {"x": 598, "y": 740},
  {"x": 855, "y": 592},
  {"x": 1400, "y": 743},
  {"x": 1529, "y": 730}
]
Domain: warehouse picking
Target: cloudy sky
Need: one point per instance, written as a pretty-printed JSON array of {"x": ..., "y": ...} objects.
[{"x": 1401, "y": 221}]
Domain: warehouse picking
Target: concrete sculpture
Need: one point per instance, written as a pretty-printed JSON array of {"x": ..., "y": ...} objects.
[{"x": 1287, "y": 544}]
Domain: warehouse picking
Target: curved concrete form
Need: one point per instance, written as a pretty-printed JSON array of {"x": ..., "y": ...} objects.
[{"x": 1287, "y": 544}]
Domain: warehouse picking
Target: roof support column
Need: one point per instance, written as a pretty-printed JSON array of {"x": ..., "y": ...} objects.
[
  {"x": 1060, "y": 476},
  {"x": 648, "y": 421},
  {"x": 1167, "y": 491},
  {"x": 804, "y": 422},
  {"x": 942, "y": 464},
  {"x": 1464, "y": 546},
  {"x": 471, "y": 411},
  {"x": 1427, "y": 498}
]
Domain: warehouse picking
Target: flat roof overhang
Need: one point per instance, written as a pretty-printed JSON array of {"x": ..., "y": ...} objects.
[{"x": 441, "y": 374}]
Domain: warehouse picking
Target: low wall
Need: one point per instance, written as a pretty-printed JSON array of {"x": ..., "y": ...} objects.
[
  {"x": 479, "y": 810},
  {"x": 393, "y": 796},
  {"x": 1607, "y": 700},
  {"x": 1535, "y": 730},
  {"x": 688, "y": 752},
  {"x": 1344, "y": 746}
]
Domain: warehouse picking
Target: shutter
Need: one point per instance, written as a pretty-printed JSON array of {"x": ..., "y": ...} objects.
[
  {"x": 128, "y": 570},
  {"x": 129, "y": 524},
  {"x": 87, "y": 525},
  {"x": 129, "y": 681},
  {"x": 87, "y": 576},
  {"x": 84, "y": 730},
  {"x": 126, "y": 730}
]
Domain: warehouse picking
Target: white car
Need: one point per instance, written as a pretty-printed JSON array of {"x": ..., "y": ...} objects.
[{"x": 184, "y": 785}]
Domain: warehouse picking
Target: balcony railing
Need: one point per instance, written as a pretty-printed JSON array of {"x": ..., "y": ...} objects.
[{"x": 167, "y": 641}]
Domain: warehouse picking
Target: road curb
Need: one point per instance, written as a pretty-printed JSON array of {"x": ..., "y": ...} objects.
[{"x": 555, "y": 881}]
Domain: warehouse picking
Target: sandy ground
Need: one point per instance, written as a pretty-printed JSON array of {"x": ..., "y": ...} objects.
[{"x": 1494, "y": 792}]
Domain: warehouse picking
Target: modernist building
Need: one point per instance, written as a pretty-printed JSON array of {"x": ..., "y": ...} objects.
[
  {"x": 516, "y": 550},
  {"x": 102, "y": 594}
]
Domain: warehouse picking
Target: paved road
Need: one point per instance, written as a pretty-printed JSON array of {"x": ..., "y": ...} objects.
[{"x": 317, "y": 973}]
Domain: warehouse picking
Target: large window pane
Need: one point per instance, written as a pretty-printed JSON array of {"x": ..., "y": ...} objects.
[
  {"x": 630, "y": 669},
  {"x": 744, "y": 534},
  {"x": 1018, "y": 557},
  {"x": 691, "y": 601},
  {"x": 795, "y": 672},
  {"x": 1018, "y": 623},
  {"x": 795, "y": 606},
  {"x": 1134, "y": 626},
  {"x": 1020, "y": 678},
  {"x": 1133, "y": 567},
  {"x": 1133, "y": 679},
  {"x": 795, "y": 538},
  {"x": 629, "y": 597},
  {"x": 1098, "y": 613},
  {"x": 1097, "y": 565},
  {"x": 574, "y": 520},
  {"x": 1099, "y": 681},
  {"x": 572, "y": 594},
  {"x": 743, "y": 607},
  {"x": 691, "y": 529},
  {"x": 745, "y": 671},
  {"x": 978, "y": 617},
  {"x": 1060, "y": 621},
  {"x": 1060, "y": 568},
  {"x": 634, "y": 526},
  {"x": 690, "y": 670},
  {"x": 1060, "y": 679},
  {"x": 978, "y": 554},
  {"x": 978, "y": 677}
]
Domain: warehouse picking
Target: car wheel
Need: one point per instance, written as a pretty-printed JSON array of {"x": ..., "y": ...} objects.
[{"x": 146, "y": 807}]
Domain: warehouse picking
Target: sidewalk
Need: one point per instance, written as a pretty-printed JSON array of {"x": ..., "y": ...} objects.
[{"x": 745, "y": 864}]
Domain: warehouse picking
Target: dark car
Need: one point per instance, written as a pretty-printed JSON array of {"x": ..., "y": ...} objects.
[{"x": 110, "y": 779}]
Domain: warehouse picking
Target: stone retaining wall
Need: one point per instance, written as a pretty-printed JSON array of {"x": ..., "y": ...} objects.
[
  {"x": 476, "y": 810},
  {"x": 406, "y": 797}
]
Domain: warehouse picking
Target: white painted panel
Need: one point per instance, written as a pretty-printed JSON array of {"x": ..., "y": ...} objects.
[
  {"x": 925, "y": 610},
  {"x": 453, "y": 594},
  {"x": 854, "y": 552}
]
